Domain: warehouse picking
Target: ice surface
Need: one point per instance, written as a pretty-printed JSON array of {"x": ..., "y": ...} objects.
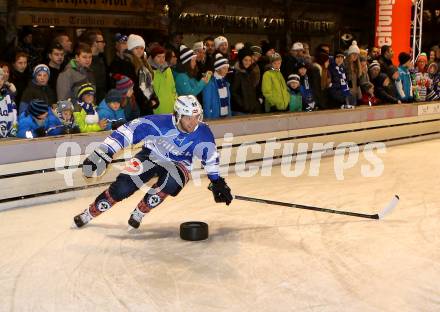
[{"x": 258, "y": 258}]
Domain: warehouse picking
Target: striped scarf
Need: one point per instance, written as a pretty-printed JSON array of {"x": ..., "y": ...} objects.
[{"x": 222, "y": 88}]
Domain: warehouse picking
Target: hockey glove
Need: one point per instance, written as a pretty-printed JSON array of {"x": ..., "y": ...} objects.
[
  {"x": 117, "y": 123},
  {"x": 96, "y": 164},
  {"x": 40, "y": 132},
  {"x": 221, "y": 191}
]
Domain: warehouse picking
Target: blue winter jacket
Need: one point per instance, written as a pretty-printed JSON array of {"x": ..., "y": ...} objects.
[
  {"x": 405, "y": 77},
  {"x": 211, "y": 100},
  {"x": 185, "y": 85},
  {"x": 26, "y": 122},
  {"x": 105, "y": 112}
]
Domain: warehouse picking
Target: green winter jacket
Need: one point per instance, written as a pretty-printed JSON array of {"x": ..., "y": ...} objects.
[
  {"x": 165, "y": 89},
  {"x": 86, "y": 123},
  {"x": 276, "y": 94}
]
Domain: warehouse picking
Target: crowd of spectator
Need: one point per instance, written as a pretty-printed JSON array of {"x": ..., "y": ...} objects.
[{"x": 74, "y": 90}]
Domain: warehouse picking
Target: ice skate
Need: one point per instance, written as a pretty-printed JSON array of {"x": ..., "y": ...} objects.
[
  {"x": 81, "y": 219},
  {"x": 135, "y": 219}
]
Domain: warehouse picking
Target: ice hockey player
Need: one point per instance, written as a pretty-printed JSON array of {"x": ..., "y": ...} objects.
[{"x": 169, "y": 144}]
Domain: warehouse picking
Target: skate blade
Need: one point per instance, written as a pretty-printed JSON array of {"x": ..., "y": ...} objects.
[
  {"x": 132, "y": 229},
  {"x": 74, "y": 226}
]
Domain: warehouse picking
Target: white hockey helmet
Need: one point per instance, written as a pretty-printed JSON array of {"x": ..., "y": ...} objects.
[{"x": 187, "y": 105}]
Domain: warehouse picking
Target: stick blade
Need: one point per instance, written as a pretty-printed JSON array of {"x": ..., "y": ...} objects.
[{"x": 390, "y": 207}]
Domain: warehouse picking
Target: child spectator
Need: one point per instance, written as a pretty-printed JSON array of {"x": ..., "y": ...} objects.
[
  {"x": 76, "y": 73},
  {"x": 422, "y": 80},
  {"x": 244, "y": 91},
  {"x": 9, "y": 85},
  {"x": 20, "y": 74},
  {"x": 38, "y": 88},
  {"x": 383, "y": 90},
  {"x": 128, "y": 103},
  {"x": 38, "y": 121},
  {"x": 368, "y": 97},
  {"x": 110, "y": 109},
  {"x": 434, "y": 90},
  {"x": 405, "y": 76},
  {"x": 274, "y": 87},
  {"x": 185, "y": 74},
  {"x": 294, "y": 84},
  {"x": 396, "y": 84},
  {"x": 8, "y": 112},
  {"x": 65, "y": 114},
  {"x": 217, "y": 95},
  {"x": 84, "y": 111},
  {"x": 339, "y": 90},
  {"x": 308, "y": 99},
  {"x": 163, "y": 81}
]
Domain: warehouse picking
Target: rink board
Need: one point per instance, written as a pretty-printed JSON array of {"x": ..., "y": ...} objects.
[{"x": 29, "y": 168}]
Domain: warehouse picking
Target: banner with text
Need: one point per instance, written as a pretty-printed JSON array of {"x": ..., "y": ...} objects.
[
  {"x": 102, "y": 5},
  {"x": 393, "y": 25}
]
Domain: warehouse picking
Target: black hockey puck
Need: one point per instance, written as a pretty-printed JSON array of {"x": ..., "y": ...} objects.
[{"x": 194, "y": 231}]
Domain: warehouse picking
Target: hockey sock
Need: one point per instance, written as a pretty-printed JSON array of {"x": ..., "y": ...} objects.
[{"x": 101, "y": 204}]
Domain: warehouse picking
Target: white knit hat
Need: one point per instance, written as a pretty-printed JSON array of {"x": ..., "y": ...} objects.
[
  {"x": 198, "y": 46},
  {"x": 354, "y": 48},
  {"x": 297, "y": 46},
  {"x": 135, "y": 41},
  {"x": 219, "y": 40},
  {"x": 292, "y": 78},
  {"x": 238, "y": 46}
]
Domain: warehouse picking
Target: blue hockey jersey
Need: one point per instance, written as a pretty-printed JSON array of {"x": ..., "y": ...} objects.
[{"x": 166, "y": 142}]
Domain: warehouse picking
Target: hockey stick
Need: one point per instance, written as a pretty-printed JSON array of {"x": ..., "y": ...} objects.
[{"x": 388, "y": 209}]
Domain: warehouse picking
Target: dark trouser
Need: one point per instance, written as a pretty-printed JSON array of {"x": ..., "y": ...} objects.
[{"x": 172, "y": 177}]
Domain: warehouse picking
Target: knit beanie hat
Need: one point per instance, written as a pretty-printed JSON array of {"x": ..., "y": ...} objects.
[
  {"x": 275, "y": 57},
  {"x": 293, "y": 77},
  {"x": 404, "y": 58},
  {"x": 64, "y": 105},
  {"x": 256, "y": 50},
  {"x": 113, "y": 96},
  {"x": 219, "y": 40},
  {"x": 121, "y": 38},
  {"x": 156, "y": 51},
  {"x": 85, "y": 88},
  {"x": 238, "y": 46},
  {"x": 220, "y": 61},
  {"x": 41, "y": 68},
  {"x": 134, "y": 41},
  {"x": 339, "y": 52},
  {"x": 297, "y": 46},
  {"x": 266, "y": 46},
  {"x": 243, "y": 53},
  {"x": 198, "y": 46},
  {"x": 422, "y": 57},
  {"x": 123, "y": 83},
  {"x": 37, "y": 108},
  {"x": 186, "y": 54},
  {"x": 373, "y": 65},
  {"x": 354, "y": 48}
]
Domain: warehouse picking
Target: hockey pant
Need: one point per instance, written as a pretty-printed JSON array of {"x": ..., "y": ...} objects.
[{"x": 172, "y": 177}]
